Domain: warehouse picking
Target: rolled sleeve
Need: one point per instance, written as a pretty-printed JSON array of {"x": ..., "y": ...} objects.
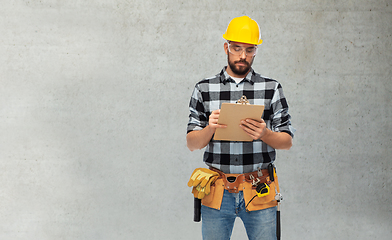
[
  {"x": 197, "y": 117},
  {"x": 281, "y": 119}
]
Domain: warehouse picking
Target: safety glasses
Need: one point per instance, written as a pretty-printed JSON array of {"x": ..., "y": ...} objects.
[{"x": 237, "y": 50}]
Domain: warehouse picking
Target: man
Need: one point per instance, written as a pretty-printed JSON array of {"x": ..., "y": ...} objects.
[{"x": 272, "y": 132}]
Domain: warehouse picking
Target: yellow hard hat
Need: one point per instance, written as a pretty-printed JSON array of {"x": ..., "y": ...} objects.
[{"x": 244, "y": 30}]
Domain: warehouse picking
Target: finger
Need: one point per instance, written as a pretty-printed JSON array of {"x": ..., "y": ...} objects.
[
  {"x": 248, "y": 130},
  {"x": 214, "y": 116},
  {"x": 214, "y": 123},
  {"x": 253, "y": 122},
  {"x": 213, "y": 119},
  {"x": 215, "y": 113},
  {"x": 252, "y": 133},
  {"x": 255, "y": 125},
  {"x": 249, "y": 125}
]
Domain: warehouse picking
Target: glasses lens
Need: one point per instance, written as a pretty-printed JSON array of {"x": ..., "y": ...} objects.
[{"x": 237, "y": 50}]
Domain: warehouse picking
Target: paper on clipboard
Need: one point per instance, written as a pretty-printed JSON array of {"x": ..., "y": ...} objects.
[{"x": 231, "y": 115}]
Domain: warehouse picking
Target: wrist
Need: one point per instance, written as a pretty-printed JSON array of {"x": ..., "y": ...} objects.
[
  {"x": 210, "y": 129},
  {"x": 265, "y": 134}
]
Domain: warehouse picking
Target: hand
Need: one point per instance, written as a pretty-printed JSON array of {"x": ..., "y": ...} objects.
[
  {"x": 255, "y": 129},
  {"x": 213, "y": 120},
  {"x": 200, "y": 138}
]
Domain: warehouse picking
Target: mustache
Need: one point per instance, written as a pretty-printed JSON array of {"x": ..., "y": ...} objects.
[{"x": 243, "y": 61}]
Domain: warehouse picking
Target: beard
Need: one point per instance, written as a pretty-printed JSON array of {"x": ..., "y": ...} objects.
[{"x": 239, "y": 70}]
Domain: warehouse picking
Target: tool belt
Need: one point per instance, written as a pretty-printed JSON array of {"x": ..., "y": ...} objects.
[
  {"x": 232, "y": 182},
  {"x": 247, "y": 183}
]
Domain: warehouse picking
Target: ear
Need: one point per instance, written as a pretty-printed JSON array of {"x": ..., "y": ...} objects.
[{"x": 226, "y": 47}]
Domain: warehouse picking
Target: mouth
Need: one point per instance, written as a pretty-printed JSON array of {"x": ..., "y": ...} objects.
[{"x": 242, "y": 64}]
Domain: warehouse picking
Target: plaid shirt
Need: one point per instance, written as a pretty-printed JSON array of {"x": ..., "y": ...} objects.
[{"x": 239, "y": 157}]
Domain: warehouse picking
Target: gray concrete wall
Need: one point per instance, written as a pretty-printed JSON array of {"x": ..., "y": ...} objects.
[{"x": 94, "y": 105}]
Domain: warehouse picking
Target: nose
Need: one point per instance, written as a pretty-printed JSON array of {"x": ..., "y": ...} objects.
[{"x": 243, "y": 54}]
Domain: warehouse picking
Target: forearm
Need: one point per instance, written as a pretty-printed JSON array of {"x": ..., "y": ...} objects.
[
  {"x": 277, "y": 140},
  {"x": 198, "y": 139}
]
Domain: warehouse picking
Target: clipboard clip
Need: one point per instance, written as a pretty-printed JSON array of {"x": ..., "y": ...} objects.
[{"x": 243, "y": 100}]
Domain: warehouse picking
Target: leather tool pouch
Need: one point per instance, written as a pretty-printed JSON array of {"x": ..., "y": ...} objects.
[
  {"x": 214, "y": 199},
  {"x": 259, "y": 203},
  {"x": 242, "y": 182}
]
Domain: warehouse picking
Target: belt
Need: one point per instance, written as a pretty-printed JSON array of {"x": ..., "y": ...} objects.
[{"x": 233, "y": 182}]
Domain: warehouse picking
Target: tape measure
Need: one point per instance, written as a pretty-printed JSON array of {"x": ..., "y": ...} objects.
[{"x": 262, "y": 189}]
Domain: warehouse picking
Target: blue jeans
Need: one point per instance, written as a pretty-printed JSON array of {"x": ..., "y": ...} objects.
[{"x": 218, "y": 224}]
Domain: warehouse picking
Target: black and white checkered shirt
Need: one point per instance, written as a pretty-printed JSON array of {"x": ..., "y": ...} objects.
[{"x": 239, "y": 157}]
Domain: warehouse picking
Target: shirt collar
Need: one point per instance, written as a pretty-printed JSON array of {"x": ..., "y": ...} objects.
[{"x": 225, "y": 77}]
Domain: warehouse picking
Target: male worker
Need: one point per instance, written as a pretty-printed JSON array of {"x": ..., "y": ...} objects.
[{"x": 272, "y": 132}]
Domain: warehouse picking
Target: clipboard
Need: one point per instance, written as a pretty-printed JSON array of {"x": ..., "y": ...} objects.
[{"x": 231, "y": 115}]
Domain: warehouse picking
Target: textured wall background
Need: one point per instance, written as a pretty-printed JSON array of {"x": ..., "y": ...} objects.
[{"x": 94, "y": 105}]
